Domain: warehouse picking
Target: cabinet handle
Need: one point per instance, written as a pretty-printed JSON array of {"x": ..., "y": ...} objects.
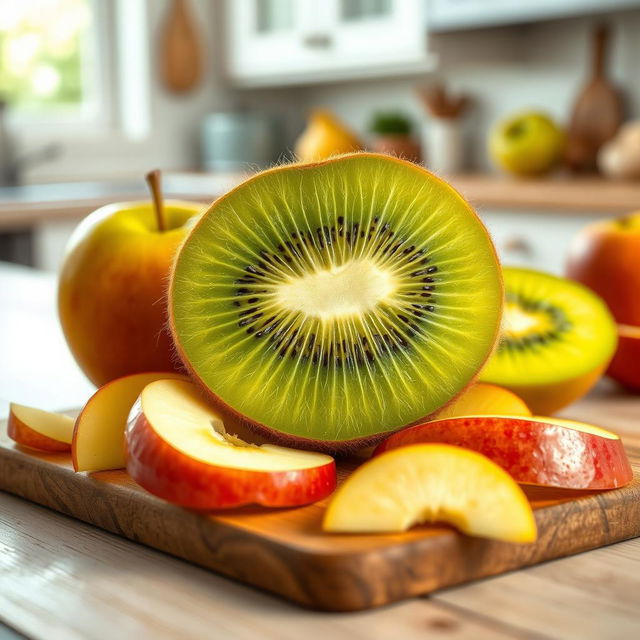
[
  {"x": 518, "y": 244},
  {"x": 317, "y": 41}
]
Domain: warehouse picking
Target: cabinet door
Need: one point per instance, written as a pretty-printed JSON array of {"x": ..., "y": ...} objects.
[
  {"x": 378, "y": 33},
  {"x": 275, "y": 42},
  {"x": 265, "y": 37}
]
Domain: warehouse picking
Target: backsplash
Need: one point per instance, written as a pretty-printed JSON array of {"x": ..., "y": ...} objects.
[{"x": 532, "y": 66}]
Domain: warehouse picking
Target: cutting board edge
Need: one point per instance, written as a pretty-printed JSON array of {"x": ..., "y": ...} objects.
[{"x": 348, "y": 581}]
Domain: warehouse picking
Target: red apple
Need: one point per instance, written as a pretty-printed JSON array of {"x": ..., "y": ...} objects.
[
  {"x": 542, "y": 451},
  {"x": 432, "y": 483},
  {"x": 39, "y": 429},
  {"x": 625, "y": 366},
  {"x": 604, "y": 256},
  {"x": 178, "y": 449}
]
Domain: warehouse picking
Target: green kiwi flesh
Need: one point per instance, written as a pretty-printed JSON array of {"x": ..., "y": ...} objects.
[
  {"x": 553, "y": 330},
  {"x": 329, "y": 304}
]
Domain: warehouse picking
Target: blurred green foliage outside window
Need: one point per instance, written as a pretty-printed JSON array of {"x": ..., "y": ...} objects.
[{"x": 43, "y": 54}]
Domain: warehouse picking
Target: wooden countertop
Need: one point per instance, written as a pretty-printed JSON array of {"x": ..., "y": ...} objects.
[
  {"x": 60, "y": 578},
  {"x": 565, "y": 194},
  {"x": 29, "y": 205},
  {"x": 33, "y": 204}
]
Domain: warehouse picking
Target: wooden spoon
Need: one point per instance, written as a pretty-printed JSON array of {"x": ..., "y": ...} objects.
[
  {"x": 180, "y": 49},
  {"x": 597, "y": 113}
]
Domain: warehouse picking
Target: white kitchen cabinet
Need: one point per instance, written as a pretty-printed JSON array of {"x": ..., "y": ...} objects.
[
  {"x": 279, "y": 42},
  {"x": 447, "y": 15},
  {"x": 533, "y": 239}
]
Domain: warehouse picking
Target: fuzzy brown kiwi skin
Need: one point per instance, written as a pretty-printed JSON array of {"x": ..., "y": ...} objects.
[{"x": 237, "y": 420}]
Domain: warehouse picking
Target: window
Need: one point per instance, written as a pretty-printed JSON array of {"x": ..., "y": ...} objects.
[
  {"x": 363, "y": 9},
  {"x": 273, "y": 15},
  {"x": 46, "y": 56},
  {"x": 76, "y": 68}
]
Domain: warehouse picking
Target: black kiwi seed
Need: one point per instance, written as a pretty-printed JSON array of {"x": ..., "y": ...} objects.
[
  {"x": 356, "y": 353},
  {"x": 559, "y": 320}
]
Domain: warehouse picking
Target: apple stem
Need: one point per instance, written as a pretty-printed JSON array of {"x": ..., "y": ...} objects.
[{"x": 154, "y": 181}]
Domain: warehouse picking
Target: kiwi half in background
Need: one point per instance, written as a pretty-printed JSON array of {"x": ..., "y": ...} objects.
[
  {"x": 328, "y": 304},
  {"x": 557, "y": 339}
]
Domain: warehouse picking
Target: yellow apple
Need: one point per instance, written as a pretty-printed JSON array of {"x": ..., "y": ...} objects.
[
  {"x": 111, "y": 298},
  {"x": 526, "y": 144}
]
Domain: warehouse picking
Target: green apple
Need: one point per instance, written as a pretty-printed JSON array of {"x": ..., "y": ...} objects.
[
  {"x": 111, "y": 296},
  {"x": 526, "y": 144}
]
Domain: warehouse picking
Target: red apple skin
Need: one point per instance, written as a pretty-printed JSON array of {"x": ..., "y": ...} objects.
[
  {"x": 604, "y": 256},
  {"x": 625, "y": 366},
  {"x": 24, "y": 435},
  {"x": 172, "y": 475},
  {"x": 531, "y": 451}
]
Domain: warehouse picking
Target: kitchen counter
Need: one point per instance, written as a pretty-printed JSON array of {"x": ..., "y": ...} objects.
[
  {"x": 28, "y": 205},
  {"x": 60, "y": 578},
  {"x": 31, "y": 204},
  {"x": 567, "y": 194}
]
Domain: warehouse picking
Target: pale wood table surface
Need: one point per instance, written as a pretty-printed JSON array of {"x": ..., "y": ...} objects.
[{"x": 60, "y": 578}]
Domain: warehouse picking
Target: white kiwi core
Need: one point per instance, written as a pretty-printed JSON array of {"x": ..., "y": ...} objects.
[
  {"x": 518, "y": 322},
  {"x": 350, "y": 289}
]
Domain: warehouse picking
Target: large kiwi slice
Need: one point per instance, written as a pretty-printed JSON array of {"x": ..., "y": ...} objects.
[
  {"x": 330, "y": 303},
  {"x": 557, "y": 339}
]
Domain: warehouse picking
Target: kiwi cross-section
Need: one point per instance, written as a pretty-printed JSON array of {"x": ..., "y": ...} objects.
[
  {"x": 556, "y": 341},
  {"x": 328, "y": 304}
]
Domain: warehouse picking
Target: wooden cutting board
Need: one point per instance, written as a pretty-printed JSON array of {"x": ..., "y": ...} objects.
[{"x": 284, "y": 551}]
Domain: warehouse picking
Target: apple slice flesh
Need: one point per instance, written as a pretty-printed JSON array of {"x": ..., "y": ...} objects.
[
  {"x": 541, "y": 451},
  {"x": 178, "y": 449},
  {"x": 39, "y": 429},
  {"x": 484, "y": 398},
  {"x": 98, "y": 435},
  {"x": 432, "y": 483}
]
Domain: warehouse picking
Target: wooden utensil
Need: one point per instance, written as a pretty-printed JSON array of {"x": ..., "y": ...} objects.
[
  {"x": 180, "y": 49},
  {"x": 440, "y": 103},
  {"x": 597, "y": 112}
]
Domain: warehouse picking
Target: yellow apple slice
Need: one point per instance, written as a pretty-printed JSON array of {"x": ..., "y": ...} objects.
[
  {"x": 432, "y": 483},
  {"x": 98, "y": 436},
  {"x": 39, "y": 429},
  {"x": 483, "y": 398}
]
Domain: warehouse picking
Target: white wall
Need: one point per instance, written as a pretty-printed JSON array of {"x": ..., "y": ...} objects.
[{"x": 505, "y": 70}]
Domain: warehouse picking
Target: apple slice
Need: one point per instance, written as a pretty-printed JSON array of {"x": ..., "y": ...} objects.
[
  {"x": 98, "y": 436},
  {"x": 432, "y": 483},
  {"x": 483, "y": 398},
  {"x": 541, "y": 451},
  {"x": 178, "y": 449},
  {"x": 39, "y": 429}
]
